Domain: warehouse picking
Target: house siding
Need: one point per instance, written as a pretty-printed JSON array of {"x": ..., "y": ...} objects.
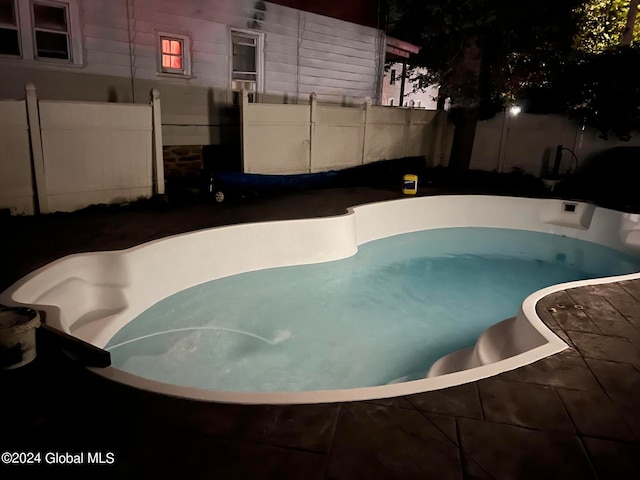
[
  {"x": 303, "y": 53},
  {"x": 306, "y": 52},
  {"x": 362, "y": 12}
]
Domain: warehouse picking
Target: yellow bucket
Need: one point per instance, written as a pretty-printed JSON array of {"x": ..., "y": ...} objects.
[{"x": 410, "y": 184}]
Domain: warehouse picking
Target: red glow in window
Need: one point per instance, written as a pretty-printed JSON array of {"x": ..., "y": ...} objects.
[{"x": 172, "y": 54}]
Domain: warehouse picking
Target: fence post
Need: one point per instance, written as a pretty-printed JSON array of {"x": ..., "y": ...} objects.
[
  {"x": 438, "y": 139},
  {"x": 244, "y": 104},
  {"x": 432, "y": 144},
  {"x": 157, "y": 156},
  {"x": 313, "y": 104},
  {"x": 367, "y": 106},
  {"x": 407, "y": 131},
  {"x": 35, "y": 139}
]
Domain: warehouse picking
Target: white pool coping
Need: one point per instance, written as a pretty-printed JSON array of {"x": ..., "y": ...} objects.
[{"x": 93, "y": 295}]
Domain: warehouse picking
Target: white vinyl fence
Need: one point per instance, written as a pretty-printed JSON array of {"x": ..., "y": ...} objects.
[
  {"x": 76, "y": 154},
  {"x": 16, "y": 190},
  {"x": 529, "y": 142},
  {"x": 288, "y": 139}
]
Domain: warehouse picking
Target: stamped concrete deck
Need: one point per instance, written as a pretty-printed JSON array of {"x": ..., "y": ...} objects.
[{"x": 571, "y": 415}]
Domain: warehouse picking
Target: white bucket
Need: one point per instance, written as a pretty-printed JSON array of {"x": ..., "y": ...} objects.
[{"x": 17, "y": 336}]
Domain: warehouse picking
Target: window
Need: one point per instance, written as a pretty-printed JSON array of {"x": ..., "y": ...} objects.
[
  {"x": 9, "y": 35},
  {"x": 174, "y": 54},
  {"x": 393, "y": 78},
  {"x": 51, "y": 31},
  {"x": 41, "y": 30},
  {"x": 246, "y": 60}
]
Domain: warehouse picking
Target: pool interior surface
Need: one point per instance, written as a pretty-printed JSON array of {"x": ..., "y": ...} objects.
[{"x": 379, "y": 317}]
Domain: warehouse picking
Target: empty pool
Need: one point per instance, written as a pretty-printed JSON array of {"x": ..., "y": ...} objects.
[{"x": 389, "y": 299}]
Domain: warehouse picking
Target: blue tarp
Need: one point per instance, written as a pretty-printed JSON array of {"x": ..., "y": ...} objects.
[{"x": 276, "y": 182}]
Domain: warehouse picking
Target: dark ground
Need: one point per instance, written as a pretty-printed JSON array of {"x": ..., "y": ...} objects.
[{"x": 572, "y": 415}]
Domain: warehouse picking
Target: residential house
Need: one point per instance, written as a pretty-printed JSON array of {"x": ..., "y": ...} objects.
[
  {"x": 198, "y": 53},
  {"x": 398, "y": 88},
  {"x": 412, "y": 94}
]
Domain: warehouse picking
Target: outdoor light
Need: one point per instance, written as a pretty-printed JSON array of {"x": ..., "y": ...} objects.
[{"x": 515, "y": 110}]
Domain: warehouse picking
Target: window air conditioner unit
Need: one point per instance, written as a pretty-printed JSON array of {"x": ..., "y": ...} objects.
[{"x": 243, "y": 85}]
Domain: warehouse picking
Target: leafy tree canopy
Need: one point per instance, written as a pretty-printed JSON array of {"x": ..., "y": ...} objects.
[
  {"x": 550, "y": 56},
  {"x": 602, "y": 91},
  {"x": 479, "y": 51},
  {"x": 601, "y": 24}
]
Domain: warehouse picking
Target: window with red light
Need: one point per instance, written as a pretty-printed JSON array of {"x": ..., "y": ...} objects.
[{"x": 174, "y": 54}]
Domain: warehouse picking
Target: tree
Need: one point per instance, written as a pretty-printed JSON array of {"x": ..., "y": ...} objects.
[
  {"x": 605, "y": 24},
  {"x": 631, "y": 30},
  {"x": 481, "y": 52},
  {"x": 600, "y": 90},
  {"x": 596, "y": 84}
]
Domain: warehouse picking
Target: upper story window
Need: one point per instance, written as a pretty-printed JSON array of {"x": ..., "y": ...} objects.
[
  {"x": 392, "y": 81},
  {"x": 43, "y": 30},
  {"x": 174, "y": 53},
  {"x": 9, "y": 34},
  {"x": 51, "y": 30},
  {"x": 246, "y": 60}
]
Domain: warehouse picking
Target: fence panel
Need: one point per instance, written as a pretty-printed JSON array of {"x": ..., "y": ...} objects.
[
  {"x": 338, "y": 138},
  {"x": 16, "y": 184},
  {"x": 529, "y": 142},
  {"x": 532, "y": 140},
  {"x": 420, "y": 132},
  {"x": 275, "y": 138},
  {"x": 95, "y": 153},
  {"x": 386, "y": 133},
  {"x": 487, "y": 145},
  {"x": 289, "y": 139}
]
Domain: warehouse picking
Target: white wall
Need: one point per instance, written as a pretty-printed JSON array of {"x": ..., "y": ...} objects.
[
  {"x": 95, "y": 153},
  {"x": 276, "y": 138},
  {"x": 63, "y": 156},
  {"x": 529, "y": 142},
  {"x": 306, "y": 52},
  {"x": 16, "y": 190},
  {"x": 338, "y": 138},
  {"x": 290, "y": 139}
]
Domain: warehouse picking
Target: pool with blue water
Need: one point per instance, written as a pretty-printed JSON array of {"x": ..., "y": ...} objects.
[{"x": 382, "y": 316}]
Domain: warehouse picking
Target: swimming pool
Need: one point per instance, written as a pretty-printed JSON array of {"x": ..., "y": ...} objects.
[
  {"x": 93, "y": 296},
  {"x": 382, "y": 316}
]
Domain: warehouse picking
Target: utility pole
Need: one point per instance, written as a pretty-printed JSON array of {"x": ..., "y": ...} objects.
[{"x": 403, "y": 79}]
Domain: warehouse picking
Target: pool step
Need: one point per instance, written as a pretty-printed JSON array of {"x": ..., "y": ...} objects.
[{"x": 502, "y": 340}]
